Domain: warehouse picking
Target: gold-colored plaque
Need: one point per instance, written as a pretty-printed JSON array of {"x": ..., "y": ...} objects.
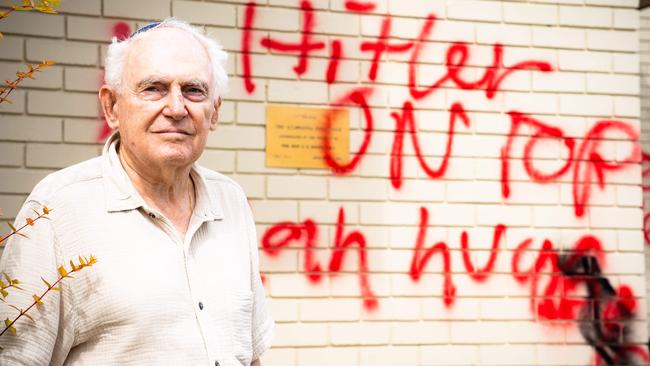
[{"x": 294, "y": 136}]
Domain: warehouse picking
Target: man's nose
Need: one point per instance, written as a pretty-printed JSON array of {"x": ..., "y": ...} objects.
[{"x": 175, "y": 107}]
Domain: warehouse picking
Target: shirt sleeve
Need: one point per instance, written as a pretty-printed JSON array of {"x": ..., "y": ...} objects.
[
  {"x": 262, "y": 322},
  {"x": 47, "y": 338}
]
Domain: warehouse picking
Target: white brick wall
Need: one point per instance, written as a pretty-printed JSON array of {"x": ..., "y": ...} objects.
[{"x": 600, "y": 64}]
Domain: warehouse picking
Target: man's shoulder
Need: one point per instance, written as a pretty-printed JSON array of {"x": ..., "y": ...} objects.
[{"x": 67, "y": 178}]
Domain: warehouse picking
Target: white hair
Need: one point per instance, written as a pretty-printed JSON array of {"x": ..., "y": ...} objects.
[{"x": 117, "y": 53}]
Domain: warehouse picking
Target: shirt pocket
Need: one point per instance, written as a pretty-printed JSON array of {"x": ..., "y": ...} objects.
[{"x": 241, "y": 319}]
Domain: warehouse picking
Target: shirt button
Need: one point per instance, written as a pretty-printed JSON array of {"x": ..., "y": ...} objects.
[
  {"x": 152, "y": 215},
  {"x": 216, "y": 363},
  {"x": 201, "y": 307}
]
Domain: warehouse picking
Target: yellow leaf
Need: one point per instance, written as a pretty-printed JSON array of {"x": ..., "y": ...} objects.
[
  {"x": 30, "y": 222},
  {"x": 46, "y": 283},
  {"x": 74, "y": 268},
  {"x": 4, "y": 293},
  {"x": 56, "y": 288},
  {"x": 11, "y": 327},
  {"x": 62, "y": 271},
  {"x": 37, "y": 299},
  {"x": 12, "y": 227},
  {"x": 82, "y": 261},
  {"x": 46, "y": 210}
]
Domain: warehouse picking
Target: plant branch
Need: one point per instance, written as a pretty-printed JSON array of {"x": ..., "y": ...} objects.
[
  {"x": 38, "y": 300},
  {"x": 20, "y": 76},
  {"x": 30, "y": 222}
]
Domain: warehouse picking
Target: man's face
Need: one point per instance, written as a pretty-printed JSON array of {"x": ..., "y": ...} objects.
[{"x": 165, "y": 107}]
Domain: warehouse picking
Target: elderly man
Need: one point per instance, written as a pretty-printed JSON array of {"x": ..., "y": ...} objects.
[{"x": 176, "y": 280}]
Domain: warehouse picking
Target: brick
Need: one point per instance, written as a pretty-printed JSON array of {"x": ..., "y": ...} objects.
[
  {"x": 144, "y": 9},
  {"x": 414, "y": 9},
  {"x": 254, "y": 162},
  {"x": 61, "y": 52},
  {"x": 614, "y": 217},
  {"x": 559, "y": 37},
  {"x": 417, "y": 333},
  {"x": 483, "y": 192},
  {"x": 556, "y": 216},
  {"x": 297, "y": 92},
  {"x": 451, "y": 31},
  {"x": 329, "y": 310},
  {"x": 367, "y": 333},
  {"x": 507, "y": 355},
  {"x": 284, "y": 310},
  {"x": 564, "y": 354},
  {"x": 274, "y": 211},
  {"x": 394, "y": 214},
  {"x": 251, "y": 113},
  {"x": 10, "y": 205},
  {"x": 618, "y": 3},
  {"x": 316, "y": 4},
  {"x": 276, "y": 19},
  {"x": 559, "y": 81},
  {"x": 205, "y": 13},
  {"x": 254, "y": 185},
  {"x": 219, "y": 160},
  {"x": 273, "y": 66},
  {"x": 582, "y": 16},
  {"x": 419, "y": 191},
  {"x": 287, "y": 262},
  {"x": 509, "y": 35},
  {"x": 626, "y": 63},
  {"x": 15, "y": 128},
  {"x": 538, "y": 103},
  {"x": 11, "y": 48},
  {"x": 395, "y": 308},
  {"x": 49, "y": 78},
  {"x": 82, "y": 130},
  {"x": 613, "y": 84},
  {"x": 83, "y": 78},
  {"x": 16, "y": 103},
  {"x": 11, "y": 154},
  {"x": 626, "y": 19},
  {"x": 586, "y": 105},
  {"x": 630, "y": 241},
  {"x": 93, "y": 29},
  {"x": 475, "y": 332},
  {"x": 629, "y": 196},
  {"x": 337, "y": 23},
  {"x": 20, "y": 180},
  {"x": 629, "y": 107},
  {"x": 505, "y": 309},
  {"x": 509, "y": 214},
  {"x": 280, "y": 356},
  {"x": 530, "y": 13},
  {"x": 454, "y": 355},
  {"x": 389, "y": 356},
  {"x": 327, "y": 212},
  {"x": 296, "y": 187},
  {"x": 237, "y": 137},
  {"x": 347, "y": 285},
  {"x": 87, "y": 7},
  {"x": 344, "y": 188},
  {"x": 63, "y": 104},
  {"x": 33, "y": 23},
  {"x": 612, "y": 40},
  {"x": 58, "y": 155},
  {"x": 584, "y": 61},
  {"x": 327, "y": 356},
  {"x": 300, "y": 334},
  {"x": 293, "y": 285},
  {"x": 474, "y": 10}
]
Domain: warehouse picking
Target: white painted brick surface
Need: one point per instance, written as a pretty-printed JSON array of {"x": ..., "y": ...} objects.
[{"x": 599, "y": 72}]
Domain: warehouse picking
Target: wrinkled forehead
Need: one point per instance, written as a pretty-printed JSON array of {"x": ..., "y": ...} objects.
[{"x": 170, "y": 53}]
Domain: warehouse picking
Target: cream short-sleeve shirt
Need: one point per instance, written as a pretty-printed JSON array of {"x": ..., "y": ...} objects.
[{"x": 152, "y": 298}]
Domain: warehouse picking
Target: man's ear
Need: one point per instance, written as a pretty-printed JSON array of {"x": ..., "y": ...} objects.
[
  {"x": 215, "y": 117},
  {"x": 108, "y": 101}
]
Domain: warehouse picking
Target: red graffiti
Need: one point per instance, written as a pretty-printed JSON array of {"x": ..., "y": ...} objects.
[
  {"x": 283, "y": 234},
  {"x": 406, "y": 122},
  {"x": 306, "y": 45},
  {"x": 481, "y": 274},
  {"x": 333, "y": 65},
  {"x": 381, "y": 45},
  {"x": 456, "y": 59},
  {"x": 420, "y": 259},
  {"x": 359, "y": 6},
  {"x": 249, "y": 16}
]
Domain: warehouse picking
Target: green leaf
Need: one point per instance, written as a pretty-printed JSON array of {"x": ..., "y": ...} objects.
[
  {"x": 46, "y": 283},
  {"x": 9, "y": 326}
]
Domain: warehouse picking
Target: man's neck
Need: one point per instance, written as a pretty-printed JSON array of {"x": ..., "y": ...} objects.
[{"x": 168, "y": 190}]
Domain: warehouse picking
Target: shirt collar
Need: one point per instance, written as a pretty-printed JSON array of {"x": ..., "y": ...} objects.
[{"x": 121, "y": 195}]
